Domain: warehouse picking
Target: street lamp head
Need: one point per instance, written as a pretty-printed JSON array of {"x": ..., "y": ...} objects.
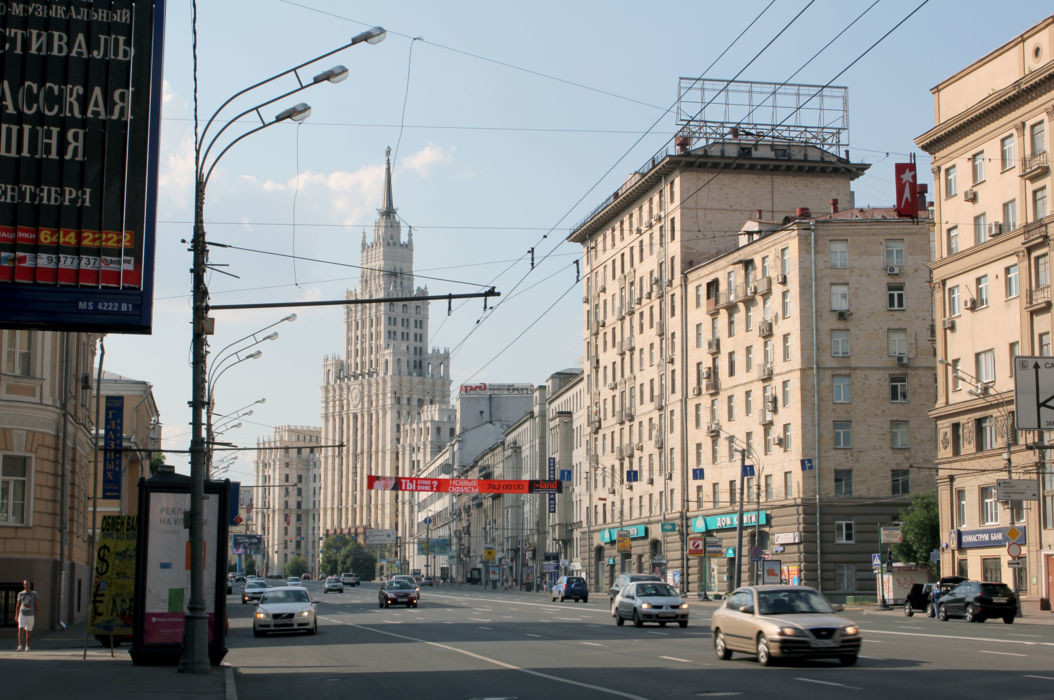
[
  {"x": 334, "y": 75},
  {"x": 261, "y": 400},
  {"x": 373, "y": 35},
  {"x": 290, "y": 318},
  {"x": 253, "y": 355},
  {"x": 270, "y": 336},
  {"x": 942, "y": 361},
  {"x": 298, "y": 113}
]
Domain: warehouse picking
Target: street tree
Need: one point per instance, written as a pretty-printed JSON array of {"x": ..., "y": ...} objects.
[
  {"x": 296, "y": 566},
  {"x": 331, "y": 552},
  {"x": 920, "y": 528}
]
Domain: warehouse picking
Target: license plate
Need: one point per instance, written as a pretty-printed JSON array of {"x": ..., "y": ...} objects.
[
  {"x": 1000, "y": 599},
  {"x": 825, "y": 643},
  {"x": 668, "y": 615},
  {"x": 283, "y": 624}
]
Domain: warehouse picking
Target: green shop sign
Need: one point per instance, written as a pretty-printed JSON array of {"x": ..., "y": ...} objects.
[
  {"x": 634, "y": 531},
  {"x": 726, "y": 522}
]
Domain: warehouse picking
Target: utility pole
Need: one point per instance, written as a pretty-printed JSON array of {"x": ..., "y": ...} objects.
[{"x": 739, "y": 520}]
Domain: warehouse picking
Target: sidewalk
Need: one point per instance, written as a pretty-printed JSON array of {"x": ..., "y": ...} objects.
[{"x": 53, "y": 668}]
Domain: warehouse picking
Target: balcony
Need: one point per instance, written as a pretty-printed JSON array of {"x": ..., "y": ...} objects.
[
  {"x": 713, "y": 346},
  {"x": 765, "y": 371},
  {"x": 1035, "y": 165},
  {"x": 1038, "y": 298},
  {"x": 766, "y": 418},
  {"x": 713, "y": 386},
  {"x": 764, "y": 285},
  {"x": 765, "y": 329},
  {"x": 713, "y": 429},
  {"x": 712, "y": 305}
]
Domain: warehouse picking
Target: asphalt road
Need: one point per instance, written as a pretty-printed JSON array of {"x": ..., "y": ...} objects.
[{"x": 493, "y": 644}]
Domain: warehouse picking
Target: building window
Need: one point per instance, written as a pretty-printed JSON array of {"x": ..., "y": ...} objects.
[
  {"x": 982, "y": 291},
  {"x": 989, "y": 506},
  {"x": 895, "y": 296},
  {"x": 786, "y": 304},
  {"x": 953, "y": 240},
  {"x": 845, "y": 578},
  {"x": 786, "y": 347},
  {"x": 894, "y": 252},
  {"x": 768, "y": 487},
  {"x": 1010, "y": 215},
  {"x": 786, "y": 392},
  {"x": 977, "y": 167},
  {"x": 1038, "y": 138},
  {"x": 731, "y": 322},
  {"x": 839, "y": 254},
  {"x": 840, "y": 343},
  {"x": 1041, "y": 267},
  {"x": 960, "y": 507},
  {"x": 731, "y": 364},
  {"x": 950, "y": 188},
  {"x": 715, "y": 491},
  {"x": 788, "y": 484},
  {"x": 1039, "y": 203},
  {"x": 840, "y": 389},
  {"x": 731, "y": 407},
  {"x": 784, "y": 261},
  {"x": 18, "y": 353},
  {"x": 898, "y": 435},
  {"x": 1044, "y": 344},
  {"x": 1006, "y": 152},
  {"x": 749, "y": 359},
  {"x": 843, "y": 531},
  {"x": 898, "y": 388},
  {"x": 954, "y": 308},
  {"x": 843, "y": 434},
  {"x": 839, "y": 297},
  {"x": 980, "y": 228},
  {"x": 984, "y": 429},
  {"x": 900, "y": 484},
  {"x": 984, "y": 363},
  {"x": 843, "y": 482},
  {"x": 897, "y": 342},
  {"x": 1011, "y": 284},
  {"x": 14, "y": 485}
]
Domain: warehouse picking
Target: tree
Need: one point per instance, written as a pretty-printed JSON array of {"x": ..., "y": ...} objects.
[
  {"x": 331, "y": 551},
  {"x": 920, "y": 528},
  {"x": 250, "y": 565},
  {"x": 355, "y": 558},
  {"x": 295, "y": 566}
]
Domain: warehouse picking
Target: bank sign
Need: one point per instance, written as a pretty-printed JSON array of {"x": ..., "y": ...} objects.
[
  {"x": 987, "y": 537},
  {"x": 725, "y": 522},
  {"x": 80, "y": 112}
]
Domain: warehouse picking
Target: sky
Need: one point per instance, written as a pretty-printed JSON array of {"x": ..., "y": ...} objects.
[{"x": 508, "y": 123}]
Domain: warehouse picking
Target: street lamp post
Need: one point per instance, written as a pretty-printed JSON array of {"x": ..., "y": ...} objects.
[{"x": 195, "y": 657}]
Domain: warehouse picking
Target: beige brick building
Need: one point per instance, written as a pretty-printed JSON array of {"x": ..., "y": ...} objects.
[
  {"x": 288, "y": 494},
  {"x": 991, "y": 295}
]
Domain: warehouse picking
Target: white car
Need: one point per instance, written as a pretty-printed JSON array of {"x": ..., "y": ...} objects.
[{"x": 285, "y": 609}]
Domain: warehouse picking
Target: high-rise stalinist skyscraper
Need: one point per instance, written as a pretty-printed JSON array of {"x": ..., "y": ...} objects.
[{"x": 385, "y": 376}]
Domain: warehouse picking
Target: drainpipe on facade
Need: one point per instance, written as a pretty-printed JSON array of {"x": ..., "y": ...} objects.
[
  {"x": 684, "y": 434},
  {"x": 816, "y": 414},
  {"x": 59, "y": 592}
]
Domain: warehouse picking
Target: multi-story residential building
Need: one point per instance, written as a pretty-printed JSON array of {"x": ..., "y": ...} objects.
[
  {"x": 806, "y": 354},
  {"x": 46, "y": 459},
  {"x": 385, "y": 377},
  {"x": 991, "y": 295},
  {"x": 567, "y": 512},
  {"x": 286, "y": 506}
]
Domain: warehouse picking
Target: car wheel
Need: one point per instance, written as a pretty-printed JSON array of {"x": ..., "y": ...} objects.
[
  {"x": 562, "y": 598},
  {"x": 682, "y": 623},
  {"x": 314, "y": 628},
  {"x": 720, "y": 648},
  {"x": 908, "y": 612},
  {"x": 971, "y": 614},
  {"x": 637, "y": 622},
  {"x": 942, "y": 613},
  {"x": 586, "y": 599},
  {"x": 847, "y": 660},
  {"x": 931, "y": 611},
  {"x": 662, "y": 624},
  {"x": 764, "y": 653},
  {"x": 619, "y": 620},
  {"x": 1008, "y": 619}
]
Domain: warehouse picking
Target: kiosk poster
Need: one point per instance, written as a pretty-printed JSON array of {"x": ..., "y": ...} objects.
[
  {"x": 168, "y": 566},
  {"x": 113, "y": 595}
]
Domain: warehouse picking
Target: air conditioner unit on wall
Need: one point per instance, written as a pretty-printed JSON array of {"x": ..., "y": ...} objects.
[
  {"x": 842, "y": 315},
  {"x": 778, "y": 440},
  {"x": 902, "y": 359},
  {"x": 781, "y": 279},
  {"x": 970, "y": 304},
  {"x": 697, "y": 390},
  {"x": 948, "y": 324},
  {"x": 970, "y": 195},
  {"x": 892, "y": 269},
  {"x": 995, "y": 228}
]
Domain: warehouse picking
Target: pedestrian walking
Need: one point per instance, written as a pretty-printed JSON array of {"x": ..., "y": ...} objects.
[{"x": 27, "y": 614}]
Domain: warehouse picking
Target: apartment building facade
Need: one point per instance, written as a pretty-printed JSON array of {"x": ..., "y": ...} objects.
[
  {"x": 991, "y": 294},
  {"x": 288, "y": 495}
]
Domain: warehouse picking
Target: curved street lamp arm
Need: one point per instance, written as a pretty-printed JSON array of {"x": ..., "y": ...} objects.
[{"x": 205, "y": 181}]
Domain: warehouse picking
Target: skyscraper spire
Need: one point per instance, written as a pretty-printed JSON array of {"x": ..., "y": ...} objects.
[{"x": 387, "y": 205}]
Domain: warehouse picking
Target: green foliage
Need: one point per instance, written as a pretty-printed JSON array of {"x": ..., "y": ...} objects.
[
  {"x": 920, "y": 527},
  {"x": 340, "y": 554},
  {"x": 296, "y": 565},
  {"x": 156, "y": 462},
  {"x": 250, "y": 565}
]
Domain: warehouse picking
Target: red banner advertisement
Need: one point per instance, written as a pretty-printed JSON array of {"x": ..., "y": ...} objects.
[
  {"x": 400, "y": 483},
  {"x": 907, "y": 189}
]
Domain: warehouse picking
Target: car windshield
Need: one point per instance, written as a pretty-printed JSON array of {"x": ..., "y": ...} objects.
[
  {"x": 255, "y": 584},
  {"x": 995, "y": 589},
  {"x": 286, "y": 597},
  {"x": 401, "y": 585},
  {"x": 792, "y": 602},
  {"x": 656, "y": 589},
  {"x": 647, "y": 577}
]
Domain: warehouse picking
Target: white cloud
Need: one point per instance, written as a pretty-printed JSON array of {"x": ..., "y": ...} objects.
[{"x": 422, "y": 161}]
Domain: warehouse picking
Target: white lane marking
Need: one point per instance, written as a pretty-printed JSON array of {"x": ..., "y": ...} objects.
[
  {"x": 507, "y": 617},
  {"x": 958, "y": 638},
  {"x": 568, "y": 619},
  {"x": 839, "y": 685},
  {"x": 501, "y": 664},
  {"x": 1042, "y": 678},
  {"x": 674, "y": 658},
  {"x": 658, "y": 633},
  {"x": 592, "y": 644},
  {"x": 1002, "y": 653},
  {"x": 484, "y": 628},
  {"x": 1033, "y": 636},
  {"x": 534, "y": 635},
  {"x": 480, "y": 619}
]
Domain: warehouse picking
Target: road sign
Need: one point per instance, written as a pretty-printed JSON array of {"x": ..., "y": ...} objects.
[
  {"x": 748, "y": 470},
  {"x": 1016, "y": 563},
  {"x": 1033, "y": 392},
  {"x": 715, "y": 550},
  {"x": 1014, "y": 550},
  {"x": 1013, "y": 534},
  {"x": 891, "y": 534},
  {"x": 565, "y": 475},
  {"x": 696, "y": 547},
  {"x": 428, "y": 520},
  {"x": 806, "y": 465},
  {"x": 489, "y": 554},
  {"x": 622, "y": 542},
  {"x": 1016, "y": 490},
  {"x": 698, "y": 474},
  {"x": 876, "y": 561},
  {"x": 238, "y": 520}
]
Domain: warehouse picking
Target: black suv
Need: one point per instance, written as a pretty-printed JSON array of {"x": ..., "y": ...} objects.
[
  {"x": 976, "y": 601},
  {"x": 920, "y": 597}
]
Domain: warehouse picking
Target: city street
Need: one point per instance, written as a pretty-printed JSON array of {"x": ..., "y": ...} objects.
[{"x": 474, "y": 643}]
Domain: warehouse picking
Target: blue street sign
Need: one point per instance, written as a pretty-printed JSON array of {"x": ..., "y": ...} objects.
[
  {"x": 748, "y": 470},
  {"x": 565, "y": 475},
  {"x": 806, "y": 465},
  {"x": 876, "y": 561},
  {"x": 232, "y": 507},
  {"x": 632, "y": 475},
  {"x": 428, "y": 520},
  {"x": 697, "y": 474}
]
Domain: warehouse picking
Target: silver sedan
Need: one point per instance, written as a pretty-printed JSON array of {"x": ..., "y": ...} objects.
[{"x": 649, "y": 601}]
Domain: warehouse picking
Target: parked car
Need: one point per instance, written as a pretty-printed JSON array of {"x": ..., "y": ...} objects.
[
  {"x": 573, "y": 587},
  {"x": 649, "y": 601},
  {"x": 774, "y": 622},
  {"x": 397, "y": 592},
  {"x": 333, "y": 584},
  {"x": 920, "y": 597},
  {"x": 285, "y": 609},
  {"x": 349, "y": 579},
  {"x": 253, "y": 590},
  {"x": 623, "y": 579},
  {"x": 976, "y": 601}
]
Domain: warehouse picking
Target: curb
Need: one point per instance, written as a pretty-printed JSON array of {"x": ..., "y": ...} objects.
[{"x": 230, "y": 690}]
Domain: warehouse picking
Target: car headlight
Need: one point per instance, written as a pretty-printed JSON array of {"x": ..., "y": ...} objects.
[
  {"x": 645, "y": 605},
  {"x": 851, "y": 630},
  {"x": 789, "y": 631},
  {"x": 261, "y": 615},
  {"x": 683, "y": 606},
  {"x": 306, "y": 613}
]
